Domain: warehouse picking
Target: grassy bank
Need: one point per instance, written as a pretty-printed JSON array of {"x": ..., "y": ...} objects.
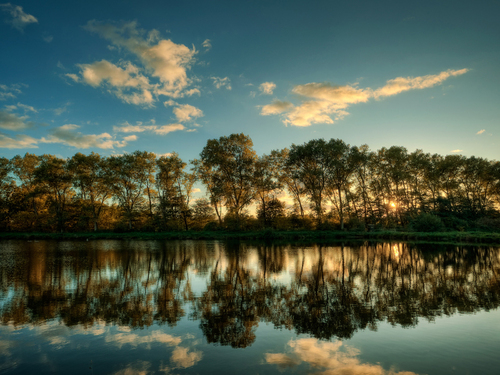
[{"x": 464, "y": 237}]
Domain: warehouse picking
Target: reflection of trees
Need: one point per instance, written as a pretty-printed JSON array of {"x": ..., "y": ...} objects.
[{"x": 322, "y": 291}]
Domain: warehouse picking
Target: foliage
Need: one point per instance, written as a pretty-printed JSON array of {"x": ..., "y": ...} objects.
[{"x": 427, "y": 223}]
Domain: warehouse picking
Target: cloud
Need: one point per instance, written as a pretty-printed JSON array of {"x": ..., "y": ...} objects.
[
  {"x": 186, "y": 112},
  {"x": 327, "y": 103},
  {"x": 11, "y": 121},
  {"x": 457, "y": 150},
  {"x": 68, "y": 136},
  {"x": 135, "y": 340},
  {"x": 165, "y": 129},
  {"x": 19, "y": 20},
  {"x": 182, "y": 358},
  {"x": 7, "y": 92},
  {"x": 59, "y": 111},
  {"x": 401, "y": 84},
  {"x": 130, "y": 138},
  {"x": 48, "y": 38},
  {"x": 126, "y": 83},
  {"x": 222, "y": 82},
  {"x": 24, "y": 107},
  {"x": 139, "y": 128},
  {"x": 167, "y": 154},
  {"x": 207, "y": 43},
  {"x": 19, "y": 141},
  {"x": 267, "y": 88},
  {"x": 331, "y": 357},
  {"x": 481, "y": 131},
  {"x": 162, "y": 58},
  {"x": 275, "y": 108}
]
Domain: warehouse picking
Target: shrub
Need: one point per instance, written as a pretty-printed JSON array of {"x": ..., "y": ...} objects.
[{"x": 427, "y": 223}]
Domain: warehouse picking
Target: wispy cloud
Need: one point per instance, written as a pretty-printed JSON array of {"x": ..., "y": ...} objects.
[
  {"x": 401, "y": 84},
  {"x": 69, "y": 136},
  {"x": 220, "y": 82},
  {"x": 11, "y": 121},
  {"x": 456, "y": 151},
  {"x": 19, "y": 141},
  {"x": 207, "y": 43},
  {"x": 18, "y": 18},
  {"x": 267, "y": 88},
  {"x": 481, "y": 131},
  {"x": 327, "y": 103},
  {"x": 140, "y": 128},
  {"x": 9, "y": 92}
]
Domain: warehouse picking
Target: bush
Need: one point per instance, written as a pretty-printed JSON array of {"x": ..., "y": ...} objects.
[{"x": 427, "y": 223}]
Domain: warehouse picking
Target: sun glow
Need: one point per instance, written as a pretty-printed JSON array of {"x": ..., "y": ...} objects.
[{"x": 392, "y": 204}]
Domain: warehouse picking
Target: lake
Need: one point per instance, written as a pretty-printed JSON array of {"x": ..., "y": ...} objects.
[{"x": 217, "y": 307}]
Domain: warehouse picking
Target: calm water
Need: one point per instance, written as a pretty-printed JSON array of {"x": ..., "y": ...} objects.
[{"x": 157, "y": 307}]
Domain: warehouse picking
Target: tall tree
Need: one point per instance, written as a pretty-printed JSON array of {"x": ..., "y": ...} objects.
[
  {"x": 129, "y": 181},
  {"x": 230, "y": 161},
  {"x": 93, "y": 181},
  {"x": 55, "y": 178}
]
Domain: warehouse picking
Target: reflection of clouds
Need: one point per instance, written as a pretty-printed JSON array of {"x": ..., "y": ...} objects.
[
  {"x": 182, "y": 358},
  {"x": 331, "y": 357},
  {"x": 138, "y": 368},
  {"x": 133, "y": 339}
]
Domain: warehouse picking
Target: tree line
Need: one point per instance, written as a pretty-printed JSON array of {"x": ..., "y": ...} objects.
[{"x": 317, "y": 185}]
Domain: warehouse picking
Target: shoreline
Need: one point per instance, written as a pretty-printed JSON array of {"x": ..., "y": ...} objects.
[{"x": 454, "y": 237}]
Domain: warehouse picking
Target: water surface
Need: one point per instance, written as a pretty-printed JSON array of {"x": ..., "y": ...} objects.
[{"x": 196, "y": 307}]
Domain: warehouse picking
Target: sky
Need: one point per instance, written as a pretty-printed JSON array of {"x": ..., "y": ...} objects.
[{"x": 161, "y": 76}]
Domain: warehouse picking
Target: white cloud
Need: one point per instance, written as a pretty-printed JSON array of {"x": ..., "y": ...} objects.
[
  {"x": 7, "y": 92},
  {"x": 186, "y": 112},
  {"x": 139, "y": 128},
  {"x": 126, "y": 83},
  {"x": 182, "y": 358},
  {"x": 207, "y": 43},
  {"x": 19, "y": 141},
  {"x": 456, "y": 151},
  {"x": 481, "y": 131},
  {"x": 162, "y": 58},
  {"x": 130, "y": 138},
  {"x": 134, "y": 340},
  {"x": 275, "y": 108},
  {"x": 68, "y": 136},
  {"x": 400, "y": 84},
  {"x": 326, "y": 103},
  {"x": 19, "y": 20},
  {"x": 167, "y": 154},
  {"x": 74, "y": 77},
  {"x": 11, "y": 121},
  {"x": 331, "y": 357},
  {"x": 222, "y": 82},
  {"x": 165, "y": 129},
  {"x": 267, "y": 88}
]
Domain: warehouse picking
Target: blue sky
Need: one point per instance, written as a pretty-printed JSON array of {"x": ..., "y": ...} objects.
[{"x": 164, "y": 76}]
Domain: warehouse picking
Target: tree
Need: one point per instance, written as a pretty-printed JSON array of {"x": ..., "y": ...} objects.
[
  {"x": 55, "y": 179},
  {"x": 24, "y": 169},
  {"x": 266, "y": 183},
  {"x": 229, "y": 164},
  {"x": 93, "y": 181},
  {"x": 308, "y": 165},
  {"x": 169, "y": 185},
  {"x": 129, "y": 181}
]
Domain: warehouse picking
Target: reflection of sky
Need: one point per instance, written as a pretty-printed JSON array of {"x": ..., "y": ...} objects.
[{"x": 50, "y": 346}]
